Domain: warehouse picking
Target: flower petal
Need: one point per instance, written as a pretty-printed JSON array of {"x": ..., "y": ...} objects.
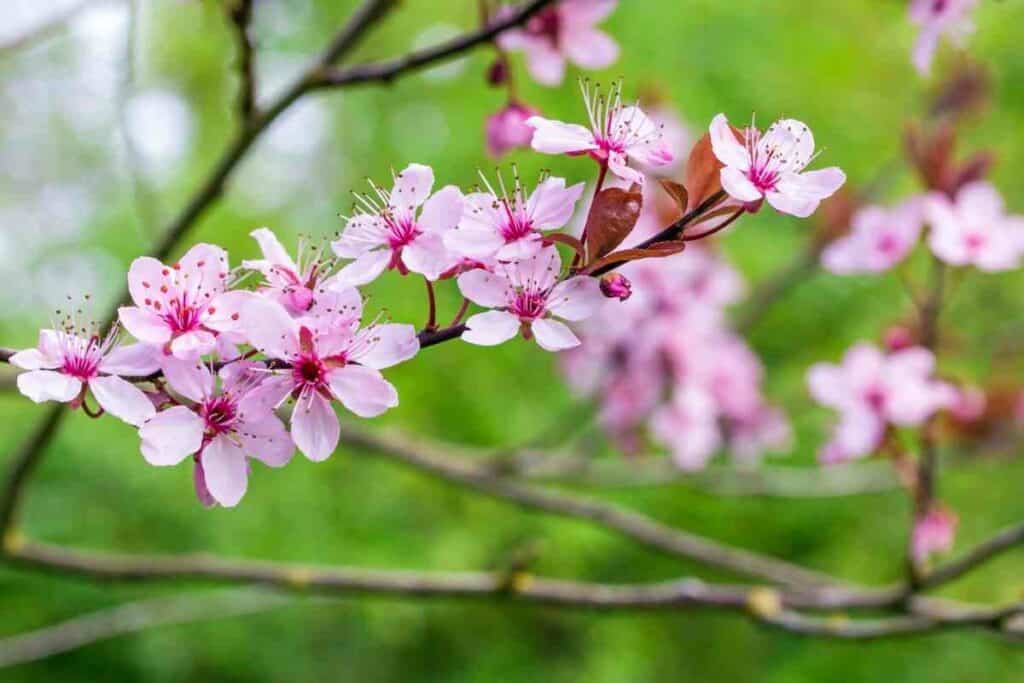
[
  {"x": 122, "y": 399},
  {"x": 443, "y": 210},
  {"x": 428, "y": 256},
  {"x": 726, "y": 147},
  {"x": 576, "y": 298},
  {"x": 190, "y": 378},
  {"x": 552, "y": 204},
  {"x": 412, "y": 187},
  {"x": 552, "y": 335},
  {"x": 32, "y": 359},
  {"x": 264, "y": 437},
  {"x": 738, "y": 185},
  {"x": 171, "y": 436},
  {"x": 315, "y": 427},
  {"x": 392, "y": 344},
  {"x": 132, "y": 360},
  {"x": 270, "y": 329},
  {"x": 225, "y": 471},
  {"x": 47, "y": 385},
  {"x": 490, "y": 328},
  {"x": 363, "y": 270},
  {"x": 484, "y": 288},
  {"x": 555, "y": 137},
  {"x": 363, "y": 390},
  {"x": 144, "y": 325}
]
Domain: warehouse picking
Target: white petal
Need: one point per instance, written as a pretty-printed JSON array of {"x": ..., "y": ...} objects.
[
  {"x": 32, "y": 359},
  {"x": 552, "y": 204},
  {"x": 47, "y": 385},
  {"x": 552, "y": 335},
  {"x": 264, "y": 437},
  {"x": 270, "y": 329},
  {"x": 576, "y": 298},
  {"x": 122, "y": 399},
  {"x": 363, "y": 270},
  {"x": 393, "y": 344},
  {"x": 555, "y": 137},
  {"x": 738, "y": 185},
  {"x": 225, "y": 471},
  {"x": 171, "y": 436},
  {"x": 490, "y": 328},
  {"x": 484, "y": 288},
  {"x": 190, "y": 378},
  {"x": 443, "y": 211},
  {"x": 726, "y": 147},
  {"x": 144, "y": 325},
  {"x": 412, "y": 187},
  {"x": 272, "y": 249},
  {"x": 132, "y": 360},
  {"x": 363, "y": 390}
]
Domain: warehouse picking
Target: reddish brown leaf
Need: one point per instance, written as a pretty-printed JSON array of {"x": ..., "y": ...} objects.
[
  {"x": 659, "y": 250},
  {"x": 612, "y": 217},
  {"x": 567, "y": 240},
  {"x": 703, "y": 171},
  {"x": 676, "y": 191}
]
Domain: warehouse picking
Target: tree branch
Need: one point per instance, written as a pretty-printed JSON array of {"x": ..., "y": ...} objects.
[
  {"x": 240, "y": 14},
  {"x": 1002, "y": 541}
]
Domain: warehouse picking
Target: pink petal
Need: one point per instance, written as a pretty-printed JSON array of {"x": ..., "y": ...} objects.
[
  {"x": 443, "y": 210},
  {"x": 792, "y": 137},
  {"x": 590, "y": 48},
  {"x": 586, "y": 12},
  {"x": 265, "y": 438},
  {"x": 315, "y": 428},
  {"x": 363, "y": 270},
  {"x": 171, "y": 436},
  {"x": 393, "y": 344},
  {"x": 428, "y": 256},
  {"x": 190, "y": 378},
  {"x": 412, "y": 187},
  {"x": 224, "y": 312},
  {"x": 545, "y": 64},
  {"x": 738, "y": 185},
  {"x": 272, "y": 250},
  {"x": 362, "y": 233},
  {"x": 363, "y": 390},
  {"x": 270, "y": 329},
  {"x": 203, "y": 272},
  {"x": 981, "y": 201},
  {"x": 552, "y": 335},
  {"x": 47, "y": 385},
  {"x": 555, "y": 137},
  {"x": 576, "y": 298},
  {"x": 147, "y": 278},
  {"x": 726, "y": 147},
  {"x": 132, "y": 360},
  {"x": 858, "y": 433},
  {"x": 473, "y": 239},
  {"x": 192, "y": 345},
  {"x": 799, "y": 194},
  {"x": 552, "y": 204},
  {"x": 484, "y": 288},
  {"x": 32, "y": 359},
  {"x": 122, "y": 399},
  {"x": 924, "y": 49},
  {"x": 827, "y": 385},
  {"x": 520, "y": 249},
  {"x": 619, "y": 165},
  {"x": 144, "y": 326},
  {"x": 490, "y": 328},
  {"x": 225, "y": 471}
]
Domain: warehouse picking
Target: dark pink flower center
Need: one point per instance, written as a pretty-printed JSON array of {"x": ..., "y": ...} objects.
[
  {"x": 546, "y": 24},
  {"x": 875, "y": 398},
  {"x": 974, "y": 242},
  {"x": 888, "y": 244},
  {"x": 401, "y": 232},
  {"x": 182, "y": 316},
  {"x": 83, "y": 362},
  {"x": 763, "y": 177},
  {"x": 517, "y": 224},
  {"x": 309, "y": 372},
  {"x": 220, "y": 414},
  {"x": 529, "y": 305}
]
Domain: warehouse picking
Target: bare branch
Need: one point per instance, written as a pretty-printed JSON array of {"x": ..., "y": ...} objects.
[
  {"x": 1004, "y": 540},
  {"x": 240, "y": 14}
]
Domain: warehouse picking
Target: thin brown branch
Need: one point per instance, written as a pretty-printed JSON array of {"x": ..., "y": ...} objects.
[
  {"x": 385, "y": 72},
  {"x": 22, "y": 465},
  {"x": 438, "y": 460},
  {"x": 240, "y": 14},
  {"x": 1004, "y": 540}
]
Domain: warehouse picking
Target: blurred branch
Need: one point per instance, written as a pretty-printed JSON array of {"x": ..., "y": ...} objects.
[
  {"x": 22, "y": 466},
  {"x": 240, "y": 14},
  {"x": 1002, "y": 541},
  {"x": 773, "y": 481},
  {"x": 43, "y": 31}
]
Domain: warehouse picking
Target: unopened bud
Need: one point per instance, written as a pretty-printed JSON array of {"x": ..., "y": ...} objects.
[
  {"x": 898, "y": 337},
  {"x": 616, "y": 286},
  {"x": 497, "y": 73}
]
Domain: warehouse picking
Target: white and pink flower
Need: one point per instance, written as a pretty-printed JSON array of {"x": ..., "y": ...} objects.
[
  {"x": 935, "y": 19},
  {"x": 294, "y": 283},
  {"x": 771, "y": 167},
  {"x": 221, "y": 430},
  {"x": 564, "y": 32},
  {"x": 527, "y": 296},
  {"x": 508, "y": 226},
  {"x": 66, "y": 363},
  {"x": 871, "y": 391},
  {"x": 329, "y": 358},
  {"x": 617, "y": 134},
  {"x": 402, "y": 230},
  {"x": 975, "y": 230},
  {"x": 880, "y": 239},
  {"x": 506, "y": 128},
  {"x": 182, "y": 308}
]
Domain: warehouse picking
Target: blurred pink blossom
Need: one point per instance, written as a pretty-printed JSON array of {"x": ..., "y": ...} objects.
[
  {"x": 935, "y": 19},
  {"x": 975, "y": 230},
  {"x": 934, "y": 532},
  {"x": 507, "y": 129},
  {"x": 880, "y": 239}
]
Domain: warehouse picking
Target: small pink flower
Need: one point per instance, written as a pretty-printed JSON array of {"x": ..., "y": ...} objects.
[
  {"x": 292, "y": 283},
  {"x": 527, "y": 295},
  {"x": 221, "y": 430},
  {"x": 689, "y": 427},
  {"x": 969, "y": 404},
  {"x": 391, "y": 230},
  {"x": 617, "y": 134},
  {"x": 935, "y": 18},
  {"x": 880, "y": 239},
  {"x": 564, "y": 31},
  {"x": 508, "y": 226},
  {"x": 771, "y": 166},
  {"x": 674, "y": 135},
  {"x": 183, "y": 307},
  {"x": 65, "y": 363},
  {"x": 872, "y": 390},
  {"x": 934, "y": 532},
  {"x": 507, "y": 129},
  {"x": 329, "y": 359},
  {"x": 975, "y": 230}
]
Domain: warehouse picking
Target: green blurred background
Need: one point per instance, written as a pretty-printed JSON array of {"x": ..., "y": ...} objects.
[{"x": 72, "y": 218}]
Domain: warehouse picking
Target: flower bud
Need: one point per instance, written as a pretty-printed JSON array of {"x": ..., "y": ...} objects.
[
  {"x": 616, "y": 286},
  {"x": 898, "y": 337},
  {"x": 497, "y": 73},
  {"x": 507, "y": 129}
]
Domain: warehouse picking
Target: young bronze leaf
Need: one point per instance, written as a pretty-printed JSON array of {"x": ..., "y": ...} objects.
[
  {"x": 612, "y": 218},
  {"x": 676, "y": 191},
  {"x": 702, "y": 173},
  {"x": 658, "y": 250}
]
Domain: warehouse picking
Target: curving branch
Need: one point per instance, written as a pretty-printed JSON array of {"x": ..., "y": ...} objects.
[
  {"x": 240, "y": 14},
  {"x": 1004, "y": 540}
]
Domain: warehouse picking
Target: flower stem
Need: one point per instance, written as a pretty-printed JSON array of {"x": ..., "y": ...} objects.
[
  {"x": 461, "y": 314},
  {"x": 431, "y": 307}
]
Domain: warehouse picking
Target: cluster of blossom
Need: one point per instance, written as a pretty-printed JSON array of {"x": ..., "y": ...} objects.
[
  {"x": 667, "y": 363},
  {"x": 214, "y": 362}
]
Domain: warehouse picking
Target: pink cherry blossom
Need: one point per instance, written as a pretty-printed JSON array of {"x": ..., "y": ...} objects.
[
  {"x": 183, "y": 307},
  {"x": 507, "y": 129},
  {"x": 564, "y": 31},
  {"x": 689, "y": 427},
  {"x": 221, "y": 430},
  {"x": 292, "y": 282},
  {"x": 507, "y": 226},
  {"x": 771, "y": 166},
  {"x": 935, "y": 19},
  {"x": 872, "y": 390},
  {"x": 674, "y": 135},
  {"x": 402, "y": 229},
  {"x": 934, "y": 532},
  {"x": 880, "y": 239},
  {"x": 329, "y": 358},
  {"x": 66, "y": 362},
  {"x": 975, "y": 230},
  {"x": 617, "y": 134},
  {"x": 527, "y": 296}
]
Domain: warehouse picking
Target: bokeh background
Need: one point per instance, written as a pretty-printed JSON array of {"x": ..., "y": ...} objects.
[{"x": 109, "y": 124}]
